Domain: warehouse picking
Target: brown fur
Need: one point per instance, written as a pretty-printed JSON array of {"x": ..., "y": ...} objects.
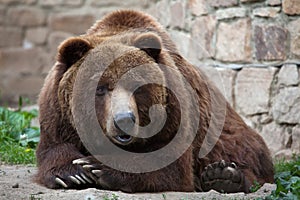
[{"x": 60, "y": 143}]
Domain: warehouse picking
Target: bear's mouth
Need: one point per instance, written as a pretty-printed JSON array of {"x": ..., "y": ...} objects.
[{"x": 123, "y": 139}]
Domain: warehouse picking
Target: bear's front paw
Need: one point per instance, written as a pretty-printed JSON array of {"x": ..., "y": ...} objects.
[
  {"x": 107, "y": 178},
  {"x": 69, "y": 176},
  {"x": 222, "y": 177}
]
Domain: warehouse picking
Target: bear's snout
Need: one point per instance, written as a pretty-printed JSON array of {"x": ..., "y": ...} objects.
[{"x": 124, "y": 123}]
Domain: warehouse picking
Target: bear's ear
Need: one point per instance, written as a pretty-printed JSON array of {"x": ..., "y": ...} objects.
[
  {"x": 150, "y": 43},
  {"x": 71, "y": 50}
]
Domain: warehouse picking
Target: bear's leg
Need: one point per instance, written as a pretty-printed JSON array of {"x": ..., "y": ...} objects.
[
  {"x": 56, "y": 169},
  {"x": 223, "y": 177},
  {"x": 177, "y": 176}
]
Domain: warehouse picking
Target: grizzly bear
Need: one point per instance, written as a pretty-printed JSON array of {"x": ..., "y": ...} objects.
[{"x": 122, "y": 110}]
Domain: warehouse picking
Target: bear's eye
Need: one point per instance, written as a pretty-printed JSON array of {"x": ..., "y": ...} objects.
[{"x": 101, "y": 90}]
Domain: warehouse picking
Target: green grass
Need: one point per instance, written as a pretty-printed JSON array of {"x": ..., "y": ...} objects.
[{"x": 18, "y": 139}]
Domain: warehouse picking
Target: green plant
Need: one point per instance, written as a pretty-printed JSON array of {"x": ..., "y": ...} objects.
[
  {"x": 32, "y": 197},
  {"x": 18, "y": 138},
  {"x": 255, "y": 186},
  {"x": 287, "y": 179},
  {"x": 113, "y": 197}
]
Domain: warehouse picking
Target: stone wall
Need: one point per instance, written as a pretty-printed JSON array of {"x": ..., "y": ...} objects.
[{"x": 250, "y": 48}]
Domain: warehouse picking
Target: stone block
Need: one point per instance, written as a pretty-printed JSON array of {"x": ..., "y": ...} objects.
[
  {"x": 163, "y": 12},
  {"x": 252, "y": 90},
  {"x": 270, "y": 43},
  {"x": 177, "y": 15},
  {"x": 232, "y": 45},
  {"x": 11, "y": 36},
  {"x": 2, "y": 14},
  {"x": 274, "y": 2},
  {"x": 286, "y": 105},
  {"x": 73, "y": 3},
  {"x": 296, "y": 140},
  {"x": 294, "y": 29},
  {"x": 286, "y": 154},
  {"x": 37, "y": 35},
  {"x": 182, "y": 41},
  {"x": 24, "y": 86},
  {"x": 203, "y": 31},
  {"x": 275, "y": 137},
  {"x": 288, "y": 75},
  {"x": 198, "y": 7},
  {"x": 72, "y": 23},
  {"x": 8, "y": 2},
  {"x": 250, "y": 1},
  {"x": 223, "y": 79},
  {"x": 266, "y": 12},
  {"x": 26, "y": 16},
  {"x": 231, "y": 13},
  {"x": 51, "y": 2},
  {"x": 118, "y": 3},
  {"x": 291, "y": 7},
  {"x": 222, "y": 3},
  {"x": 19, "y": 61}
]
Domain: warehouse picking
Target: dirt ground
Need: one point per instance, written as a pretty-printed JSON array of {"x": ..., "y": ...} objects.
[{"x": 16, "y": 184}]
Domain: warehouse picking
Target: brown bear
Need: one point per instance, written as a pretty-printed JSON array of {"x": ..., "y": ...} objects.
[{"x": 122, "y": 110}]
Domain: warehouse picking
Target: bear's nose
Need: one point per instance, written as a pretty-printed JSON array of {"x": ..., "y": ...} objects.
[{"x": 124, "y": 122}]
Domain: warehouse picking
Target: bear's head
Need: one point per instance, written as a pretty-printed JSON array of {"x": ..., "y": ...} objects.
[{"x": 130, "y": 83}]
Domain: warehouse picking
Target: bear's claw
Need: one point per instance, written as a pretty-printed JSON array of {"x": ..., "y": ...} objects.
[
  {"x": 60, "y": 182},
  {"x": 223, "y": 177}
]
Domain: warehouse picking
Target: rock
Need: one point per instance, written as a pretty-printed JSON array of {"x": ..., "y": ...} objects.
[
  {"x": 183, "y": 44},
  {"x": 265, "y": 119},
  {"x": 274, "y": 2},
  {"x": 252, "y": 90},
  {"x": 223, "y": 79},
  {"x": 266, "y": 12},
  {"x": 222, "y": 3},
  {"x": 15, "y": 185},
  {"x": 286, "y": 105},
  {"x": 12, "y": 35},
  {"x": 25, "y": 86},
  {"x": 275, "y": 137},
  {"x": 270, "y": 43},
  {"x": 284, "y": 154},
  {"x": 73, "y": 3},
  {"x": 249, "y": 1},
  {"x": 202, "y": 34},
  {"x": 2, "y": 15},
  {"x": 198, "y": 7},
  {"x": 71, "y": 23},
  {"x": 26, "y": 16},
  {"x": 291, "y": 7},
  {"x": 296, "y": 140},
  {"x": 28, "y": 62},
  {"x": 163, "y": 12},
  {"x": 51, "y": 2},
  {"x": 288, "y": 75},
  {"x": 232, "y": 45},
  {"x": 8, "y": 2},
  {"x": 231, "y": 13},
  {"x": 118, "y": 3},
  {"x": 177, "y": 15},
  {"x": 294, "y": 29},
  {"x": 37, "y": 35}
]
